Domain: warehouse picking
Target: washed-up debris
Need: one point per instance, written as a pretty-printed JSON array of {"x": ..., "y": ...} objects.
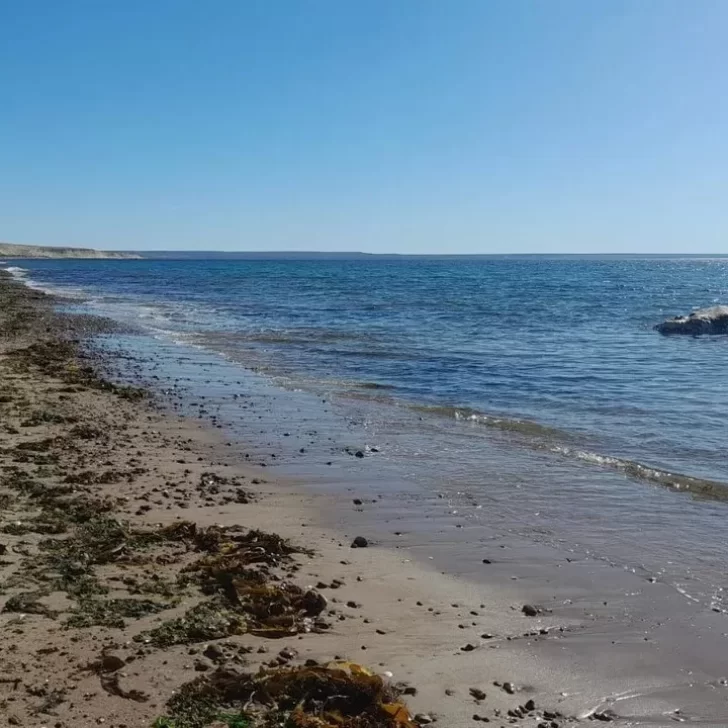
[
  {"x": 278, "y": 610},
  {"x": 226, "y": 560},
  {"x": 246, "y": 601},
  {"x": 60, "y": 359},
  {"x": 28, "y": 603},
  {"x": 211, "y": 484},
  {"x": 337, "y": 695},
  {"x": 209, "y": 620},
  {"x": 93, "y": 612},
  {"x": 249, "y": 547},
  {"x": 270, "y": 608},
  {"x": 110, "y": 683}
]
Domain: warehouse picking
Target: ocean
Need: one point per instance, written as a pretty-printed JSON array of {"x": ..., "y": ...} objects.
[{"x": 532, "y": 391}]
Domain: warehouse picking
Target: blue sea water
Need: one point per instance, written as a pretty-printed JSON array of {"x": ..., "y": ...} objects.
[{"x": 559, "y": 350}]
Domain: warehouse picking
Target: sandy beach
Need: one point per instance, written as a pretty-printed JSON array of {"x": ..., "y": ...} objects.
[
  {"x": 119, "y": 523},
  {"x": 80, "y": 457}
]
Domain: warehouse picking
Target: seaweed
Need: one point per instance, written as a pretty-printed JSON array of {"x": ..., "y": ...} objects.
[
  {"x": 208, "y": 620},
  {"x": 111, "y": 612},
  {"x": 155, "y": 585},
  {"x": 44, "y": 417},
  {"x": 337, "y": 695},
  {"x": 28, "y": 603},
  {"x": 60, "y": 359}
]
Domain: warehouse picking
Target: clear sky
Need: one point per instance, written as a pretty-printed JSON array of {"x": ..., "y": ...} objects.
[{"x": 471, "y": 126}]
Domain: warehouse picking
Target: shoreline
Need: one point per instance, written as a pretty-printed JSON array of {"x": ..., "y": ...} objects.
[
  {"x": 77, "y": 448},
  {"x": 411, "y": 603}
]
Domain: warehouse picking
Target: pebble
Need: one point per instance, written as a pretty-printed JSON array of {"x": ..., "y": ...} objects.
[
  {"x": 468, "y": 648},
  {"x": 477, "y": 693},
  {"x": 213, "y": 652},
  {"x": 111, "y": 663},
  {"x": 530, "y": 611},
  {"x": 359, "y": 543}
]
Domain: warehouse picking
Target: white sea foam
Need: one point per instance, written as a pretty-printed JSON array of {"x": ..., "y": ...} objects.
[{"x": 16, "y": 271}]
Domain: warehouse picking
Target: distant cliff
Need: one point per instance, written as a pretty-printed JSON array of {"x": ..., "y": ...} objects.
[{"x": 9, "y": 250}]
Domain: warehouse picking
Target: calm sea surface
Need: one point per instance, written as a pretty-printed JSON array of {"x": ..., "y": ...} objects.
[{"x": 537, "y": 376}]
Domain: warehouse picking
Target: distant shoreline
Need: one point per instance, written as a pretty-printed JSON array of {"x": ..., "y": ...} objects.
[
  {"x": 11, "y": 250},
  {"x": 33, "y": 252},
  {"x": 357, "y": 256}
]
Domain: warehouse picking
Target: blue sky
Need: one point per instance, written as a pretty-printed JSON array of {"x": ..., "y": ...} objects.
[{"x": 472, "y": 126}]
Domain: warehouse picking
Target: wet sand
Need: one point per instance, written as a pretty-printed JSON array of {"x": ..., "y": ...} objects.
[{"x": 601, "y": 644}]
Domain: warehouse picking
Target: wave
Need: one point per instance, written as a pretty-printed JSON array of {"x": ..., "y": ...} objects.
[
  {"x": 298, "y": 337},
  {"x": 510, "y": 424},
  {"x": 21, "y": 274},
  {"x": 699, "y": 487},
  {"x": 16, "y": 271},
  {"x": 541, "y": 437}
]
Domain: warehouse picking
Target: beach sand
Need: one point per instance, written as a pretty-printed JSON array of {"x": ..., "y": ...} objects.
[{"x": 79, "y": 454}]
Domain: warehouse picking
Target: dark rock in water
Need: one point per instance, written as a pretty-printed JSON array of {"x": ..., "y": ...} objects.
[
  {"x": 357, "y": 501},
  {"x": 710, "y": 321},
  {"x": 477, "y": 693},
  {"x": 358, "y": 454},
  {"x": 530, "y": 611},
  {"x": 359, "y": 543},
  {"x": 606, "y": 716}
]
